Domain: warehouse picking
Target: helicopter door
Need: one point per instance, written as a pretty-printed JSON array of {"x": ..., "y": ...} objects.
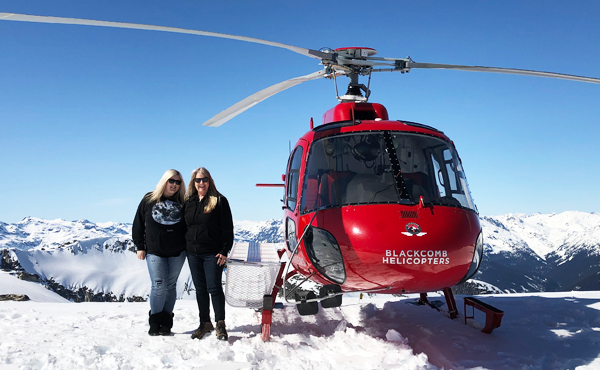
[{"x": 293, "y": 177}]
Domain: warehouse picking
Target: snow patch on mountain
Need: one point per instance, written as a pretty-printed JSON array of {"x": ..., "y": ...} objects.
[{"x": 10, "y": 284}]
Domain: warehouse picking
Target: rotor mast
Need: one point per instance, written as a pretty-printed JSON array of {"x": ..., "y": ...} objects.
[{"x": 353, "y": 61}]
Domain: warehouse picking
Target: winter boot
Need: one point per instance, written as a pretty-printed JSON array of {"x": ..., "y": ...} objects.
[
  {"x": 203, "y": 329},
  {"x": 154, "y": 321},
  {"x": 166, "y": 323},
  {"x": 221, "y": 332}
]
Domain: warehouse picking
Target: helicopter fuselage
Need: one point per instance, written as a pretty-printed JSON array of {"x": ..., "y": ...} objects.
[{"x": 378, "y": 205}]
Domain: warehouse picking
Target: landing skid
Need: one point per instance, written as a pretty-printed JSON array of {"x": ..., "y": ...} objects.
[
  {"x": 433, "y": 304},
  {"x": 493, "y": 316},
  {"x": 330, "y": 296},
  {"x": 450, "y": 302},
  {"x": 269, "y": 301}
]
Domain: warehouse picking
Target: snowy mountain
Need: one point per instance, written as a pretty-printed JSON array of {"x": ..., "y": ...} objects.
[
  {"x": 83, "y": 261},
  {"x": 39, "y": 234},
  {"x": 36, "y": 233},
  {"x": 552, "y": 252},
  {"x": 259, "y": 231}
]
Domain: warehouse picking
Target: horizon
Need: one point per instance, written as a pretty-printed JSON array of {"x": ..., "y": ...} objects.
[{"x": 279, "y": 219}]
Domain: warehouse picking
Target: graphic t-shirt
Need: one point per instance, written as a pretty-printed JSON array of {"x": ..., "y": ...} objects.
[{"x": 167, "y": 212}]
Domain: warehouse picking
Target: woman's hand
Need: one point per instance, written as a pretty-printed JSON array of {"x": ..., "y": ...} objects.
[
  {"x": 221, "y": 259},
  {"x": 141, "y": 255}
]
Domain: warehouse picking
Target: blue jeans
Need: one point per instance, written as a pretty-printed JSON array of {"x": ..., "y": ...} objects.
[
  {"x": 164, "y": 272},
  {"x": 206, "y": 275}
]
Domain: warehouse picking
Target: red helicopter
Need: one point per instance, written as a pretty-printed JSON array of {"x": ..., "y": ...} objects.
[{"x": 371, "y": 204}]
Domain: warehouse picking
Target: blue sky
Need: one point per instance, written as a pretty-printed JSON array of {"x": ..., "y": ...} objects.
[{"x": 91, "y": 117}]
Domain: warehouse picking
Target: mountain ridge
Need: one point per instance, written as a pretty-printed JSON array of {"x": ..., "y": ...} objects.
[{"x": 95, "y": 261}]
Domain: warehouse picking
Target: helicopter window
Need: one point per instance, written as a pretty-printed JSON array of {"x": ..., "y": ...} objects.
[
  {"x": 438, "y": 177},
  {"x": 290, "y": 230},
  {"x": 348, "y": 169},
  {"x": 355, "y": 168},
  {"x": 458, "y": 180},
  {"x": 293, "y": 178},
  {"x": 450, "y": 169},
  {"x": 431, "y": 168}
]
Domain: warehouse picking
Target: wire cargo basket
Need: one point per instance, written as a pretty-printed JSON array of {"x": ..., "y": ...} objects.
[{"x": 252, "y": 269}]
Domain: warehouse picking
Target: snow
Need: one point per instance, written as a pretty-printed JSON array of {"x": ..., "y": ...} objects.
[
  {"x": 87, "y": 263},
  {"x": 11, "y": 285},
  {"x": 538, "y": 331}
]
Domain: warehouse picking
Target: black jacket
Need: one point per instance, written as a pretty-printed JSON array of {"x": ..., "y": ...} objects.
[
  {"x": 208, "y": 232},
  {"x": 158, "y": 227}
]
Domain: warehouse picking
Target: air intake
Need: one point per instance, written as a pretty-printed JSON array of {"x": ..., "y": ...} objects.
[{"x": 409, "y": 214}]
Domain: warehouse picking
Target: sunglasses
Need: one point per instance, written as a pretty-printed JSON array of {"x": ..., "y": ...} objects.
[
  {"x": 172, "y": 181},
  {"x": 197, "y": 180}
]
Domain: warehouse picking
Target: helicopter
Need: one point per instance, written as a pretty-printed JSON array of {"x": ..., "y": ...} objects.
[{"x": 371, "y": 204}]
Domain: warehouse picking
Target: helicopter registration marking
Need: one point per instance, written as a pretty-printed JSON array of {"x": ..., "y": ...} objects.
[{"x": 416, "y": 257}]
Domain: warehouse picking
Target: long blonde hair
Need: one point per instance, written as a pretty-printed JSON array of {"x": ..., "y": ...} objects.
[
  {"x": 212, "y": 193},
  {"x": 162, "y": 184}
]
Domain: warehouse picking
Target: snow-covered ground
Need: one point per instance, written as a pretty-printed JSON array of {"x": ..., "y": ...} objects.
[{"x": 539, "y": 331}]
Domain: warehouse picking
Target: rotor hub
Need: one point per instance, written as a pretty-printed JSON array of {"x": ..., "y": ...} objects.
[
  {"x": 355, "y": 61},
  {"x": 356, "y": 52}
]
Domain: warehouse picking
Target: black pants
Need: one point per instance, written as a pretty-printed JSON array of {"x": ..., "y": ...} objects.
[{"x": 206, "y": 275}]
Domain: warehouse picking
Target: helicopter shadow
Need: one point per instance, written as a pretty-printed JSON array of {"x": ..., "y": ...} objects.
[
  {"x": 536, "y": 332},
  {"x": 287, "y": 321}
]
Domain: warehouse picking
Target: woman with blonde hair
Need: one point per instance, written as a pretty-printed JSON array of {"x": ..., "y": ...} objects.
[
  {"x": 159, "y": 235},
  {"x": 209, "y": 239}
]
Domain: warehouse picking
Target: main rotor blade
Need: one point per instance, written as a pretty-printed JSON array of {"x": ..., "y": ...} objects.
[
  {"x": 87, "y": 22},
  {"x": 403, "y": 65},
  {"x": 505, "y": 70},
  {"x": 256, "y": 98}
]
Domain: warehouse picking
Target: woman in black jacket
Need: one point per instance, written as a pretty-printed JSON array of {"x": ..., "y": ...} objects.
[
  {"x": 209, "y": 239},
  {"x": 159, "y": 235}
]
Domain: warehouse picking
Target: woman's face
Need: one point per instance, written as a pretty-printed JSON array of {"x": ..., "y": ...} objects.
[
  {"x": 172, "y": 187},
  {"x": 202, "y": 184}
]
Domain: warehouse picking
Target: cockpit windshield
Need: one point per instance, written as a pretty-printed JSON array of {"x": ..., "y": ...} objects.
[{"x": 383, "y": 167}]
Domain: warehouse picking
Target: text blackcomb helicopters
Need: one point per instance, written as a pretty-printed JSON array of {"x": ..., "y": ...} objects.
[{"x": 371, "y": 204}]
